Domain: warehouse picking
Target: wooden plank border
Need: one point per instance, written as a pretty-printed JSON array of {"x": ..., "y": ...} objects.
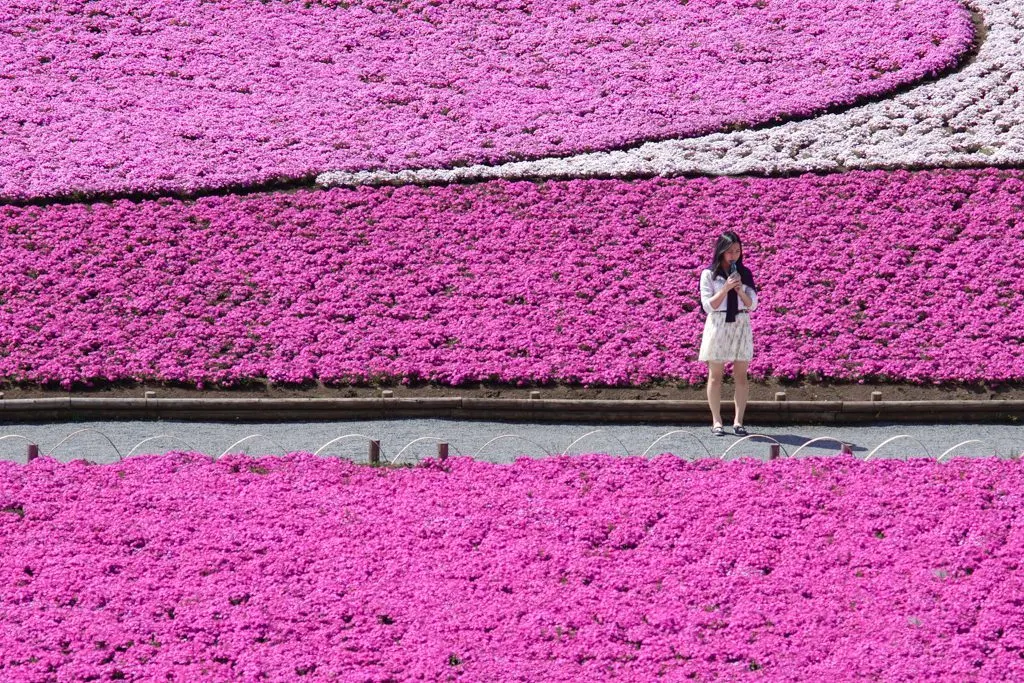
[{"x": 66, "y": 409}]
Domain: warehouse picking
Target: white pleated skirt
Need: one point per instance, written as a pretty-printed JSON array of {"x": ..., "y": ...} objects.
[{"x": 727, "y": 342}]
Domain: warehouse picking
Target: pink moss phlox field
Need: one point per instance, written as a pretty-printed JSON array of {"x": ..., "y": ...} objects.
[
  {"x": 565, "y": 569},
  {"x": 114, "y": 96},
  {"x": 883, "y": 275}
]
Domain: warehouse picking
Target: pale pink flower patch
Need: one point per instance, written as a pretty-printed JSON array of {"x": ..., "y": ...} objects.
[{"x": 116, "y": 96}]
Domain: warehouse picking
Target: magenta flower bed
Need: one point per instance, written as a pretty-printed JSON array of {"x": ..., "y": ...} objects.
[
  {"x": 555, "y": 570},
  {"x": 112, "y": 96},
  {"x": 899, "y": 276}
]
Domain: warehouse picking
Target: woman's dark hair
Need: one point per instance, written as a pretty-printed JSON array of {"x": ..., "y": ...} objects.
[{"x": 726, "y": 240}]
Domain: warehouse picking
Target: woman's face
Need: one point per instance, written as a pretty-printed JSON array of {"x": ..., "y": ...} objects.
[{"x": 733, "y": 253}]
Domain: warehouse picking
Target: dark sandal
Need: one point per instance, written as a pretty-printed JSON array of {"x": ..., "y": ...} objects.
[
  {"x": 718, "y": 430},
  {"x": 740, "y": 430}
]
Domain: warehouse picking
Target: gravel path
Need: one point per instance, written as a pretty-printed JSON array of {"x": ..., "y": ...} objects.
[{"x": 471, "y": 438}]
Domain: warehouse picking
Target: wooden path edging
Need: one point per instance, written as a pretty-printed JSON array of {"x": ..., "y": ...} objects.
[{"x": 67, "y": 409}]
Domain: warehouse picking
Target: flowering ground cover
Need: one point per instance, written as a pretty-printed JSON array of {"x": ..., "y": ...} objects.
[
  {"x": 110, "y": 96},
  {"x": 181, "y": 568},
  {"x": 972, "y": 117},
  {"x": 898, "y": 276}
]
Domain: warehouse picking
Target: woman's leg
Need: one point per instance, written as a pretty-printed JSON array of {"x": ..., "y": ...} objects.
[
  {"x": 715, "y": 373},
  {"x": 739, "y": 376}
]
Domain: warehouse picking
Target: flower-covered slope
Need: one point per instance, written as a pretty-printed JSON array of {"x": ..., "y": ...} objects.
[
  {"x": 971, "y": 118},
  {"x": 902, "y": 276},
  {"x": 110, "y": 96},
  {"x": 557, "y": 570}
]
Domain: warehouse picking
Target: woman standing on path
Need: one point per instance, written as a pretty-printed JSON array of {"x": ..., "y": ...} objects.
[{"x": 727, "y": 295}]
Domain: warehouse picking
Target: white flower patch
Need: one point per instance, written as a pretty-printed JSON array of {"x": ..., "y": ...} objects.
[{"x": 971, "y": 118}]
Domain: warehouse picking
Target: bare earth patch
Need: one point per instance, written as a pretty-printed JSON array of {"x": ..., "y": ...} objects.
[{"x": 760, "y": 391}]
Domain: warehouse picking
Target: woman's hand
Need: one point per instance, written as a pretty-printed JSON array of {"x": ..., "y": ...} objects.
[{"x": 733, "y": 282}]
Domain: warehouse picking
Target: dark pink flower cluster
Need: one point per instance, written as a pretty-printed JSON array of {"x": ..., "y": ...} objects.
[
  {"x": 901, "y": 276},
  {"x": 100, "y": 96},
  {"x": 567, "y": 569}
]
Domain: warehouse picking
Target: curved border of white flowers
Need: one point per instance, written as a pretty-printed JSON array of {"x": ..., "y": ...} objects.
[{"x": 973, "y": 117}]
